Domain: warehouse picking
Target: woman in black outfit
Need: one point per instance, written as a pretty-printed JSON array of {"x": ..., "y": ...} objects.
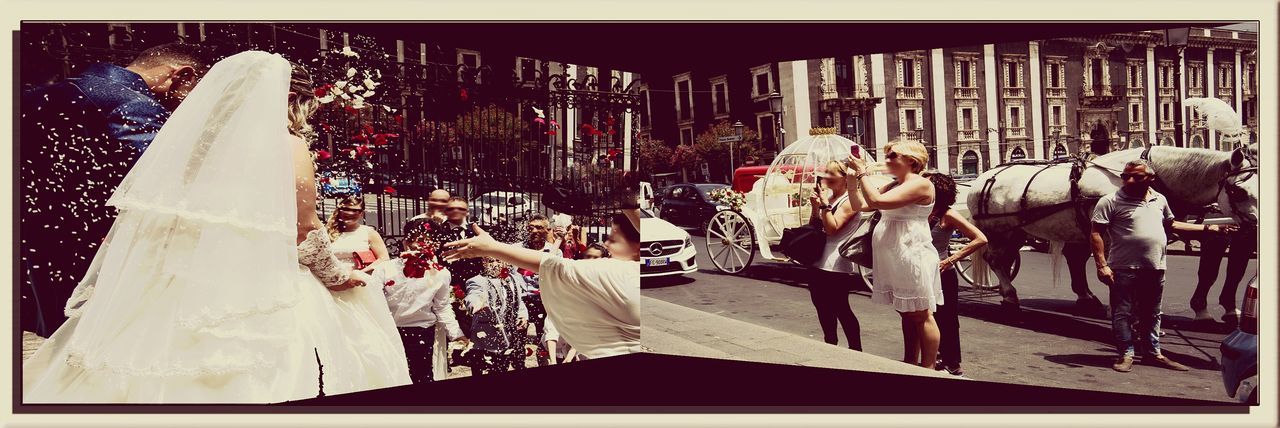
[{"x": 943, "y": 221}]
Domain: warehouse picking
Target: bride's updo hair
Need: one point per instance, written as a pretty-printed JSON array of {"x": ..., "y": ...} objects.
[{"x": 303, "y": 103}]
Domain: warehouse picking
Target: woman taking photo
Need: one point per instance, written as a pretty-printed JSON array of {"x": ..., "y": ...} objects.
[
  {"x": 355, "y": 244},
  {"x": 903, "y": 258},
  {"x": 830, "y": 277},
  {"x": 943, "y": 221}
]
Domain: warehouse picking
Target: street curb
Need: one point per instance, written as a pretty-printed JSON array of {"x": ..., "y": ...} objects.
[{"x": 668, "y": 328}]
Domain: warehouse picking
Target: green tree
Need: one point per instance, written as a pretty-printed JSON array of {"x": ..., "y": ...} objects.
[{"x": 716, "y": 152}]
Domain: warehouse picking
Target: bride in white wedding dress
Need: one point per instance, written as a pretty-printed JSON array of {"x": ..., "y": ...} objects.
[{"x": 216, "y": 283}]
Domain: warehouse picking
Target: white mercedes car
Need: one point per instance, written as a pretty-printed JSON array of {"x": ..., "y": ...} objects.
[{"x": 664, "y": 248}]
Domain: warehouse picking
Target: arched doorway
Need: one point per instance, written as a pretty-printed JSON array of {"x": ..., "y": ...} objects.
[
  {"x": 1136, "y": 143},
  {"x": 1197, "y": 142},
  {"x": 1017, "y": 154},
  {"x": 1167, "y": 141},
  {"x": 1060, "y": 151},
  {"x": 969, "y": 163},
  {"x": 1099, "y": 139}
]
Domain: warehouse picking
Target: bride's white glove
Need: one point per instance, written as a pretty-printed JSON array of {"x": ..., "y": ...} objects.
[{"x": 314, "y": 253}]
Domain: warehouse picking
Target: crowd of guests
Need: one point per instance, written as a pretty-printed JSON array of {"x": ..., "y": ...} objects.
[
  {"x": 914, "y": 265},
  {"x": 492, "y": 309}
]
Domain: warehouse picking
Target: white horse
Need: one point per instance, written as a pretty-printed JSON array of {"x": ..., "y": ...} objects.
[{"x": 1013, "y": 201}]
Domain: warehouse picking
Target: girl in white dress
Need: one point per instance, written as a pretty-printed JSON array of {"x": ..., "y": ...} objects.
[
  {"x": 217, "y": 283},
  {"x": 903, "y": 257}
]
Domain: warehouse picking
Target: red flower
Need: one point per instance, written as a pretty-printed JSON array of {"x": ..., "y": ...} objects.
[
  {"x": 436, "y": 266},
  {"x": 504, "y": 274},
  {"x": 552, "y": 132},
  {"x": 323, "y": 154},
  {"x": 610, "y": 121},
  {"x": 324, "y": 180},
  {"x": 351, "y": 110},
  {"x": 588, "y": 129},
  {"x": 326, "y": 127},
  {"x": 611, "y": 131},
  {"x": 399, "y": 119},
  {"x": 613, "y": 154},
  {"x": 457, "y": 292},
  {"x": 368, "y": 129},
  {"x": 389, "y": 190},
  {"x": 462, "y": 95},
  {"x": 381, "y": 139},
  {"x": 361, "y": 138},
  {"x": 528, "y": 352},
  {"x": 323, "y": 90},
  {"x": 389, "y": 283},
  {"x": 363, "y": 150},
  {"x": 542, "y": 353}
]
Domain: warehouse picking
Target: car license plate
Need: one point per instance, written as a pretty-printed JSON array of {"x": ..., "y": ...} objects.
[{"x": 657, "y": 262}]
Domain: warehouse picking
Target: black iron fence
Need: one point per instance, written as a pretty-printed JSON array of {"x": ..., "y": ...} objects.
[{"x": 541, "y": 140}]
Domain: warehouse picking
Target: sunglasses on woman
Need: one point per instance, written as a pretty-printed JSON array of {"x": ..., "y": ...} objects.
[{"x": 891, "y": 155}]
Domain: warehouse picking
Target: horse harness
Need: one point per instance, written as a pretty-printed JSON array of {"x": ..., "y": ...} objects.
[
  {"x": 1235, "y": 194},
  {"x": 1079, "y": 203}
]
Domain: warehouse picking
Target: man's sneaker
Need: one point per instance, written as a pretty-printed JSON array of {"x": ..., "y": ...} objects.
[
  {"x": 1163, "y": 361},
  {"x": 1124, "y": 364},
  {"x": 1203, "y": 315}
]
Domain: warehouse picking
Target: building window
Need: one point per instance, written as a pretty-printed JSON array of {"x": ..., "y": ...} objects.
[
  {"x": 912, "y": 122},
  {"x": 969, "y": 163},
  {"x": 1059, "y": 151},
  {"x": 908, "y": 73},
  {"x": 1055, "y": 116},
  {"x": 720, "y": 96},
  {"x": 966, "y": 119},
  {"x": 1197, "y": 141},
  {"x": 1015, "y": 117},
  {"x": 1055, "y": 75},
  {"x": 964, "y": 73},
  {"x": 762, "y": 81},
  {"x": 1135, "y": 76},
  {"x": 1136, "y": 143},
  {"x": 764, "y": 125},
  {"x": 1135, "y": 113},
  {"x": 469, "y": 58},
  {"x": 1164, "y": 111},
  {"x": 1225, "y": 77},
  {"x": 1167, "y": 141},
  {"x": 527, "y": 69},
  {"x": 684, "y": 98},
  {"x": 1011, "y": 75},
  {"x": 686, "y": 135},
  {"x": 1017, "y": 154}
]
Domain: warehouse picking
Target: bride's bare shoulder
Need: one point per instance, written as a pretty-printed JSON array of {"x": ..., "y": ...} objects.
[{"x": 295, "y": 141}]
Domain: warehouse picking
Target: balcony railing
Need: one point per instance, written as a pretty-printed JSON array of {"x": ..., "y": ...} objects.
[
  {"x": 1136, "y": 126},
  {"x": 1165, "y": 92},
  {"x": 1166, "y": 125},
  {"x": 971, "y": 134},
  {"x": 1015, "y": 132},
  {"x": 1195, "y": 92},
  {"x": 1055, "y": 92},
  {"x": 1057, "y": 129},
  {"x": 1227, "y": 90},
  {"x": 1013, "y": 92},
  {"x": 910, "y": 93},
  {"x": 1134, "y": 92},
  {"x": 966, "y": 93}
]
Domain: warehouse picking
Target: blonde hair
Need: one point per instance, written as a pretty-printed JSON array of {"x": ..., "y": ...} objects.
[
  {"x": 332, "y": 223},
  {"x": 835, "y": 169},
  {"x": 913, "y": 150},
  {"x": 303, "y": 104}
]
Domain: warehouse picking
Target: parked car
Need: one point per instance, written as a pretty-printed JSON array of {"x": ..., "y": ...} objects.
[
  {"x": 688, "y": 204},
  {"x": 1240, "y": 351},
  {"x": 664, "y": 248},
  {"x": 646, "y": 195},
  {"x": 338, "y": 185},
  {"x": 492, "y": 206}
]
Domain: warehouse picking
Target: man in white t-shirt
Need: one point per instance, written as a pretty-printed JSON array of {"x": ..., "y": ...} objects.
[{"x": 595, "y": 304}]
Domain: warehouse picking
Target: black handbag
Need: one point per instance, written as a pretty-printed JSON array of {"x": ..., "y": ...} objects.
[
  {"x": 858, "y": 248},
  {"x": 803, "y": 244}
]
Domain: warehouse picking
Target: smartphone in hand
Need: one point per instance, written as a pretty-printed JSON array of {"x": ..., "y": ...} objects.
[{"x": 856, "y": 150}]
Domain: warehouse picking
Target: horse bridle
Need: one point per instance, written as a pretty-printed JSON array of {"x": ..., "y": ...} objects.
[{"x": 1235, "y": 194}]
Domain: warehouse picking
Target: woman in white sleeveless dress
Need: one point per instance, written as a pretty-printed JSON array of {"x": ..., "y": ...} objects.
[
  {"x": 217, "y": 283},
  {"x": 903, "y": 258}
]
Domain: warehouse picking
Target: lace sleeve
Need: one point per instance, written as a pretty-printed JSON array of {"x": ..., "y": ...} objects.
[{"x": 314, "y": 253}]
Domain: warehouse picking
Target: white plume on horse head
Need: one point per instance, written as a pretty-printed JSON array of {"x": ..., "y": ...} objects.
[{"x": 1219, "y": 116}]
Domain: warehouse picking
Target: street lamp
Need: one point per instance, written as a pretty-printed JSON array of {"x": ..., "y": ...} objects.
[
  {"x": 775, "y": 107},
  {"x": 737, "y": 131},
  {"x": 1177, "y": 39}
]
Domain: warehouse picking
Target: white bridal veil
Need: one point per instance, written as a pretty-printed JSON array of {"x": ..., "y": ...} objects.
[{"x": 191, "y": 287}]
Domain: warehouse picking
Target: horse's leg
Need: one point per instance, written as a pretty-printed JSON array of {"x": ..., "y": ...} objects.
[
  {"x": 1077, "y": 255},
  {"x": 1002, "y": 251}
]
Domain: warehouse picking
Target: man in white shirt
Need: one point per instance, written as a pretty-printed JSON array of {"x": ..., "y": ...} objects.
[
  {"x": 436, "y": 203},
  {"x": 595, "y": 304}
]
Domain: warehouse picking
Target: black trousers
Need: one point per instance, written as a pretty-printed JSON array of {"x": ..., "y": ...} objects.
[
  {"x": 419, "y": 344},
  {"x": 829, "y": 292},
  {"x": 948, "y": 319}
]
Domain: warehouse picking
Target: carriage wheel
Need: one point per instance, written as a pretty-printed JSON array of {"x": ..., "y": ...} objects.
[
  {"x": 962, "y": 267},
  {"x": 730, "y": 241}
]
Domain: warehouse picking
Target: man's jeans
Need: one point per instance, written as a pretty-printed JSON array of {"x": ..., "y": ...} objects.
[{"x": 1135, "y": 301}]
